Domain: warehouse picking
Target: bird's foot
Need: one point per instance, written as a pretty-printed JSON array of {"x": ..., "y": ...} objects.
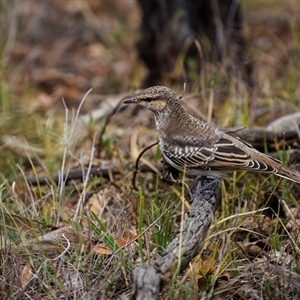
[
  {"x": 170, "y": 180},
  {"x": 167, "y": 176},
  {"x": 168, "y": 173},
  {"x": 203, "y": 184}
]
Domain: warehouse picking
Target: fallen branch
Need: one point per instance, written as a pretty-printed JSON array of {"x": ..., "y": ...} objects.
[
  {"x": 262, "y": 138},
  {"x": 148, "y": 280},
  {"x": 78, "y": 174}
]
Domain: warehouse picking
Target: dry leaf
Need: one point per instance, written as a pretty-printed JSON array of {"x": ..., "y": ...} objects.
[
  {"x": 122, "y": 242},
  {"x": 26, "y": 275}
]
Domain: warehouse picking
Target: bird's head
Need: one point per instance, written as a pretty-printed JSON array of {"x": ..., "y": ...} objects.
[{"x": 157, "y": 99}]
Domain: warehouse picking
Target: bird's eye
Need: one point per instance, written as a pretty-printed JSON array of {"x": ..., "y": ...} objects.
[{"x": 148, "y": 99}]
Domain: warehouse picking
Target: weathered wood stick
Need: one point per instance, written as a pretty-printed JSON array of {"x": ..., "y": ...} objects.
[{"x": 148, "y": 280}]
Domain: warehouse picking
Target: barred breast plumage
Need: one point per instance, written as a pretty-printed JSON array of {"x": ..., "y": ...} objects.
[{"x": 196, "y": 148}]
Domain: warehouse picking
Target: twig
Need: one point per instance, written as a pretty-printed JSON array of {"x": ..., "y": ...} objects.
[
  {"x": 78, "y": 174},
  {"x": 137, "y": 164}
]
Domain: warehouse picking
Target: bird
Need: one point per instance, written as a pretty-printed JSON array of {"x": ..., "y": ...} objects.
[{"x": 196, "y": 148}]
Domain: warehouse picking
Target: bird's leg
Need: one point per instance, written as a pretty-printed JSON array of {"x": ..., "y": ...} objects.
[
  {"x": 203, "y": 184},
  {"x": 170, "y": 175}
]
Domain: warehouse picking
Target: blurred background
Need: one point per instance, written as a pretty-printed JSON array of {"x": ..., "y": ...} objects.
[
  {"x": 53, "y": 49},
  {"x": 244, "y": 56}
]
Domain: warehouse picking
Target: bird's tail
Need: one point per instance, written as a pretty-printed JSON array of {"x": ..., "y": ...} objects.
[{"x": 288, "y": 173}]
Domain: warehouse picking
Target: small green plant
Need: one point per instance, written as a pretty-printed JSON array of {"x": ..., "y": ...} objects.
[
  {"x": 108, "y": 144},
  {"x": 164, "y": 217}
]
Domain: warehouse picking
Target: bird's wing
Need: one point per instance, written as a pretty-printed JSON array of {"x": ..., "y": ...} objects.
[{"x": 222, "y": 153}]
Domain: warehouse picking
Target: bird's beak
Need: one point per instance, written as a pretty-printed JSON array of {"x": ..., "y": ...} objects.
[{"x": 130, "y": 101}]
